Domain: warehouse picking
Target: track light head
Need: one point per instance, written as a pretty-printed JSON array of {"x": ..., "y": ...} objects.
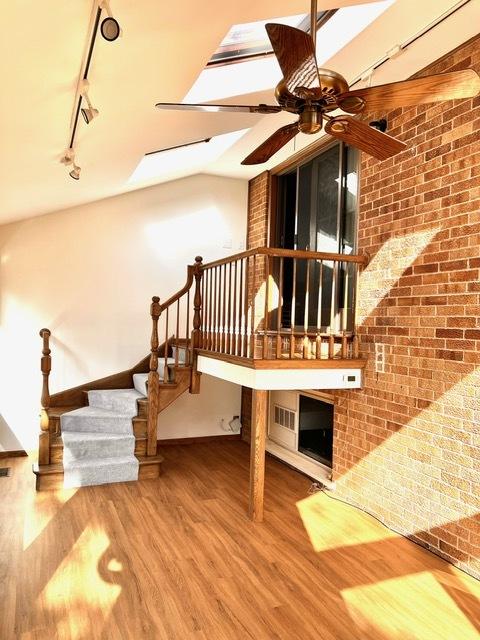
[
  {"x": 89, "y": 114},
  {"x": 110, "y": 29},
  {"x": 381, "y": 124},
  {"x": 75, "y": 172}
]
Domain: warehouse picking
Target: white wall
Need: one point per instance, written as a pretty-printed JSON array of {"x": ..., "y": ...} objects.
[{"x": 88, "y": 274}]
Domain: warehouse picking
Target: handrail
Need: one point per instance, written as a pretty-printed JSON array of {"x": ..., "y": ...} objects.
[
  {"x": 289, "y": 253},
  {"x": 182, "y": 292}
]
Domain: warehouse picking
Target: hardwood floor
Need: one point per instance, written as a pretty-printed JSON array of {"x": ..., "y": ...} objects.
[{"x": 176, "y": 558}]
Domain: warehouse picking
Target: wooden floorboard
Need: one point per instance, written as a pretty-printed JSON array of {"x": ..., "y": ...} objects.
[{"x": 176, "y": 558}]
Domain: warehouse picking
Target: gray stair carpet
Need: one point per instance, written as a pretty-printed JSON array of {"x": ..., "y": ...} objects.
[{"x": 98, "y": 440}]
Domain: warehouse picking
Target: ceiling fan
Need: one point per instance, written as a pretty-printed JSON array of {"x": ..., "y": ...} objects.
[{"x": 313, "y": 93}]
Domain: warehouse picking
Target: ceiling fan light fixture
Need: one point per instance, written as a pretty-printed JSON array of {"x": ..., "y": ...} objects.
[{"x": 380, "y": 125}]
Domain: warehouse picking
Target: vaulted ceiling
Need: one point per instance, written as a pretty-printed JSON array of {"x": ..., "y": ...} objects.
[{"x": 162, "y": 52}]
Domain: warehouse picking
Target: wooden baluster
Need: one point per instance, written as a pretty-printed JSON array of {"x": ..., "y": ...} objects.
[
  {"x": 319, "y": 313},
  {"x": 197, "y": 323},
  {"x": 292, "y": 310},
  {"x": 345, "y": 312},
  {"x": 355, "y": 347},
  {"x": 252, "y": 330},
  {"x": 218, "y": 288},
  {"x": 244, "y": 351},
  {"x": 188, "y": 357},
  {"x": 210, "y": 297},
  {"x": 278, "y": 349},
  {"x": 166, "y": 350},
  {"x": 266, "y": 308},
  {"x": 153, "y": 390},
  {"x": 229, "y": 310},
  {"x": 234, "y": 310},
  {"x": 177, "y": 331},
  {"x": 238, "y": 347},
  {"x": 333, "y": 303},
  {"x": 306, "y": 340},
  {"x": 224, "y": 309},
  {"x": 45, "y": 366}
]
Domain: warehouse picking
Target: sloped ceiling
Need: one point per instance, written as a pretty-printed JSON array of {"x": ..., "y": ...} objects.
[{"x": 164, "y": 48}]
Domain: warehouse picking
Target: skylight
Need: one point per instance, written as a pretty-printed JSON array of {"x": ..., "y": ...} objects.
[
  {"x": 256, "y": 74},
  {"x": 158, "y": 166},
  {"x": 250, "y": 38}
]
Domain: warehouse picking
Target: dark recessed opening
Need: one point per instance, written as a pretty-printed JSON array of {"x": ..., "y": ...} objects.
[
  {"x": 4, "y": 472},
  {"x": 315, "y": 437}
]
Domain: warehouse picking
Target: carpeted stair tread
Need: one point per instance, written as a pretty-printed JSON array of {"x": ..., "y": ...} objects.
[
  {"x": 98, "y": 440},
  {"x": 88, "y": 472},
  {"x": 122, "y": 401},
  {"x": 85, "y": 445},
  {"x": 96, "y": 419}
]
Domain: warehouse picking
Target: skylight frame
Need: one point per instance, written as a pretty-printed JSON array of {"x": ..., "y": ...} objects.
[{"x": 261, "y": 48}]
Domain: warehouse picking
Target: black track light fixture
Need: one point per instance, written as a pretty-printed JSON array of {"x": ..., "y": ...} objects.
[
  {"x": 110, "y": 29},
  {"x": 381, "y": 124},
  {"x": 88, "y": 113}
]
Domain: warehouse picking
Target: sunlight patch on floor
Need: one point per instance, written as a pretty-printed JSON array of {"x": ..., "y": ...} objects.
[
  {"x": 77, "y": 588},
  {"x": 40, "y": 509},
  {"x": 413, "y": 607},
  {"x": 331, "y": 524}
]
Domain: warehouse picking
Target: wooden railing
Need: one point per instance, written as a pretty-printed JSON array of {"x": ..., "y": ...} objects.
[{"x": 271, "y": 304}]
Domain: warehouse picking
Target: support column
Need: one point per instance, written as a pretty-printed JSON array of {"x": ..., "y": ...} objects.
[{"x": 257, "y": 454}]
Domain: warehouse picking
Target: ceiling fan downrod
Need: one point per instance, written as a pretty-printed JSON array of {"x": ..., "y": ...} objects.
[{"x": 313, "y": 23}]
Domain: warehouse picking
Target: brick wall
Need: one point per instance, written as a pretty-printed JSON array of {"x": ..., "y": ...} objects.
[
  {"x": 407, "y": 446},
  {"x": 257, "y": 236}
]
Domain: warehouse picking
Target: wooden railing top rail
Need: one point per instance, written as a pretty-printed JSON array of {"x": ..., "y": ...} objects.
[
  {"x": 288, "y": 253},
  {"x": 187, "y": 287}
]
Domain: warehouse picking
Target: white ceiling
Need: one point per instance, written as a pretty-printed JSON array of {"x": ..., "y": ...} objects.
[{"x": 163, "y": 50}]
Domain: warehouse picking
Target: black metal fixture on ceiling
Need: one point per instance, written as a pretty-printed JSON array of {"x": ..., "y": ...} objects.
[
  {"x": 380, "y": 125},
  {"x": 110, "y": 30}
]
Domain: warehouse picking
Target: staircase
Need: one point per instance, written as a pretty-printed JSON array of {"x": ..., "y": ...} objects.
[
  {"x": 242, "y": 324},
  {"x": 98, "y": 435}
]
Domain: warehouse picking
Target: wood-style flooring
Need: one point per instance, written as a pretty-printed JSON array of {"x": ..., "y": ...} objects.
[{"x": 176, "y": 558}]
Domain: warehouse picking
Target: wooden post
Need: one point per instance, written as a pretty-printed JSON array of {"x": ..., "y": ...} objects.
[
  {"x": 197, "y": 323},
  {"x": 46, "y": 366},
  {"x": 257, "y": 454},
  {"x": 153, "y": 380}
]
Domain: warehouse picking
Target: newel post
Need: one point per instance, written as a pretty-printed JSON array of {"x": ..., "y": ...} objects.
[
  {"x": 45, "y": 366},
  {"x": 153, "y": 380},
  {"x": 197, "y": 323}
]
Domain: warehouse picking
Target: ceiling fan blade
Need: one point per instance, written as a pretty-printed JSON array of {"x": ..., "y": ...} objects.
[
  {"x": 359, "y": 134},
  {"x": 443, "y": 86},
  {"x": 272, "y": 144},
  {"x": 295, "y": 53},
  {"x": 240, "y": 108}
]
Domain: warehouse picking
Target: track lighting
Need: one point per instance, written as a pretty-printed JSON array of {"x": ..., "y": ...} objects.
[
  {"x": 89, "y": 113},
  {"x": 69, "y": 159},
  {"x": 110, "y": 29},
  {"x": 75, "y": 172},
  {"x": 381, "y": 125}
]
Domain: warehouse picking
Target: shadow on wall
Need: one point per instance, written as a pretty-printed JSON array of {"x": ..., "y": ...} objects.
[{"x": 8, "y": 440}]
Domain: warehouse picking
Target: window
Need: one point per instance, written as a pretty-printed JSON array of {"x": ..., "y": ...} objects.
[{"x": 317, "y": 211}]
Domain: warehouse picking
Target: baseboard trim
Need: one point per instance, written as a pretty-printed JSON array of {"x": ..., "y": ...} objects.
[
  {"x": 20, "y": 453},
  {"x": 199, "y": 439}
]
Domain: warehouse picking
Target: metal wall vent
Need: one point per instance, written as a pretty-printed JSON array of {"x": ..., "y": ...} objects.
[{"x": 284, "y": 417}]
